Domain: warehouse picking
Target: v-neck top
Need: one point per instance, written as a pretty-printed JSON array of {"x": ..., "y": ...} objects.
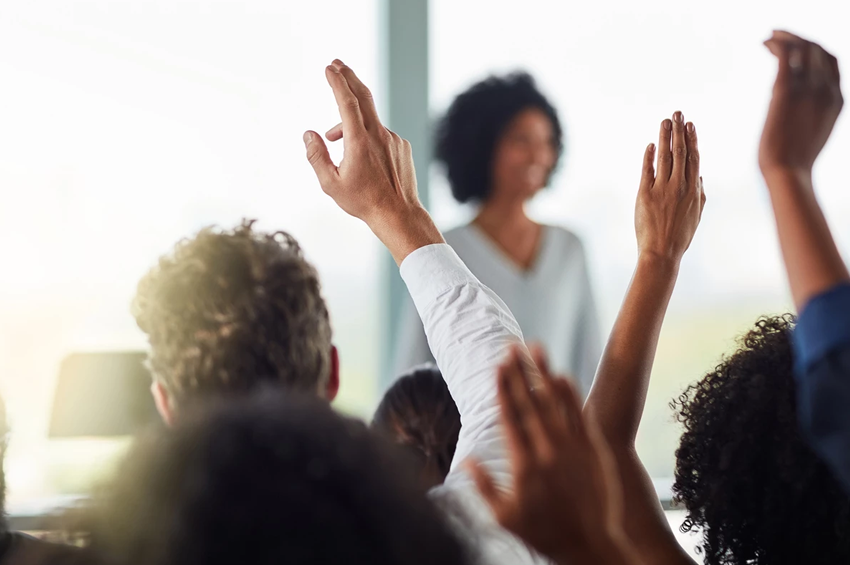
[{"x": 552, "y": 300}]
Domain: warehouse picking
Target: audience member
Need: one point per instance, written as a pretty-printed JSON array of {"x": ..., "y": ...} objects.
[
  {"x": 228, "y": 311},
  {"x": 806, "y": 103},
  {"x": 500, "y": 141},
  {"x": 268, "y": 479},
  {"x": 468, "y": 326},
  {"x": 418, "y": 413},
  {"x": 749, "y": 481}
]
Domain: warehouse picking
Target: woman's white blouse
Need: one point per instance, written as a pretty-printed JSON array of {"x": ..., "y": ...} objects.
[{"x": 552, "y": 301}]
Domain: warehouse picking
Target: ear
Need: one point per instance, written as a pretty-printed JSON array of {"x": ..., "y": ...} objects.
[
  {"x": 163, "y": 403},
  {"x": 333, "y": 379}
]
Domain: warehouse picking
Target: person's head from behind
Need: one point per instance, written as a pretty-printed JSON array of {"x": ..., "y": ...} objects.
[
  {"x": 269, "y": 478},
  {"x": 229, "y": 310},
  {"x": 419, "y": 413},
  {"x": 745, "y": 474},
  {"x": 500, "y": 139}
]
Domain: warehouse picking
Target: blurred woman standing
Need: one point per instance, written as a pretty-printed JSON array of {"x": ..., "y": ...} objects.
[{"x": 500, "y": 141}]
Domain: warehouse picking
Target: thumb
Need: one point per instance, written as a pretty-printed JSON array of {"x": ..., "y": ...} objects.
[{"x": 320, "y": 159}]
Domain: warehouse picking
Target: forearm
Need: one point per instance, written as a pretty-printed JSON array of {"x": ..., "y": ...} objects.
[
  {"x": 617, "y": 398},
  {"x": 811, "y": 257}
]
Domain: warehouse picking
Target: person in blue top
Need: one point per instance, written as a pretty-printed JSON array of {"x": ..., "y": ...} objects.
[{"x": 805, "y": 106}]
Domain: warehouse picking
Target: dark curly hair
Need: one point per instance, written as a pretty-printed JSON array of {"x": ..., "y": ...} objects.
[
  {"x": 468, "y": 133},
  {"x": 743, "y": 470},
  {"x": 269, "y": 478},
  {"x": 419, "y": 413},
  {"x": 227, "y": 310}
]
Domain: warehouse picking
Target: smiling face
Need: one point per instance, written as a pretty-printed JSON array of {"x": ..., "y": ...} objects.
[{"x": 524, "y": 156}]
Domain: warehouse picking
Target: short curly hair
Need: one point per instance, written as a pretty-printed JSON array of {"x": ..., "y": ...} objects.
[
  {"x": 268, "y": 478},
  {"x": 230, "y": 309},
  {"x": 743, "y": 469},
  {"x": 467, "y": 135}
]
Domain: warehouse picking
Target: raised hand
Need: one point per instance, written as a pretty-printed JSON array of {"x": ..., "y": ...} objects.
[
  {"x": 565, "y": 500},
  {"x": 670, "y": 202},
  {"x": 806, "y": 102},
  {"x": 376, "y": 180}
]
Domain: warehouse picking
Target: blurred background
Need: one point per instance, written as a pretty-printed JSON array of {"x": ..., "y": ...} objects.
[{"x": 125, "y": 126}]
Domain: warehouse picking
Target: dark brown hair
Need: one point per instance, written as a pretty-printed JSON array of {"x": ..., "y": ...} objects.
[
  {"x": 230, "y": 309},
  {"x": 419, "y": 413}
]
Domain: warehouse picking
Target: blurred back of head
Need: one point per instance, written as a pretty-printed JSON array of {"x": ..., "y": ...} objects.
[
  {"x": 743, "y": 469},
  {"x": 230, "y": 309},
  {"x": 268, "y": 479},
  {"x": 418, "y": 412}
]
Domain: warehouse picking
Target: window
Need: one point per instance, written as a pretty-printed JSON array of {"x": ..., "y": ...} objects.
[
  {"x": 614, "y": 70},
  {"x": 127, "y": 126}
]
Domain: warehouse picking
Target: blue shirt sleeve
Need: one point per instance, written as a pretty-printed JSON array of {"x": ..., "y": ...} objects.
[{"x": 822, "y": 359}]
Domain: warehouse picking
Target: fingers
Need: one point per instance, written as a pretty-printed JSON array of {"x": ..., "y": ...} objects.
[
  {"x": 335, "y": 133},
  {"x": 347, "y": 101},
  {"x": 571, "y": 404},
  {"x": 527, "y": 414},
  {"x": 701, "y": 198},
  {"x": 485, "y": 483},
  {"x": 647, "y": 175},
  {"x": 320, "y": 159},
  {"x": 679, "y": 148},
  {"x": 363, "y": 94},
  {"x": 692, "y": 162},
  {"x": 665, "y": 157}
]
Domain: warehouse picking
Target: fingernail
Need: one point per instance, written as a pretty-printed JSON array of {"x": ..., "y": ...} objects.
[
  {"x": 691, "y": 128},
  {"x": 338, "y": 62},
  {"x": 308, "y": 138},
  {"x": 667, "y": 124},
  {"x": 651, "y": 148},
  {"x": 678, "y": 117},
  {"x": 333, "y": 69}
]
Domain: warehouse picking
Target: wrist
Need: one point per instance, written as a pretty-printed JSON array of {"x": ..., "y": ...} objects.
[
  {"x": 404, "y": 229},
  {"x": 659, "y": 261}
]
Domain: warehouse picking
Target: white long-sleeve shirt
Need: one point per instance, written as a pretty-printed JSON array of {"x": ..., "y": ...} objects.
[
  {"x": 469, "y": 330},
  {"x": 552, "y": 301}
]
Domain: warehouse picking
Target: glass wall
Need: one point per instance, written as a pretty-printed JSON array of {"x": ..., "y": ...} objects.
[
  {"x": 615, "y": 70},
  {"x": 125, "y": 126}
]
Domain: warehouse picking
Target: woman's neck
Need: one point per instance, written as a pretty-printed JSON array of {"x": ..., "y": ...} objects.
[
  {"x": 517, "y": 235},
  {"x": 496, "y": 217}
]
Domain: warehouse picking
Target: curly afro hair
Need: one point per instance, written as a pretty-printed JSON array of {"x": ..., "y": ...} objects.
[
  {"x": 743, "y": 470},
  {"x": 228, "y": 310},
  {"x": 468, "y": 133},
  {"x": 266, "y": 479}
]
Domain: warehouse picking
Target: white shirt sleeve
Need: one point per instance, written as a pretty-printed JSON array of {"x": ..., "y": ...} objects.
[
  {"x": 469, "y": 330},
  {"x": 412, "y": 349}
]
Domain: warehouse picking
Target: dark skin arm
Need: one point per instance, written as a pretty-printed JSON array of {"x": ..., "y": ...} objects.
[
  {"x": 805, "y": 105},
  {"x": 667, "y": 213}
]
